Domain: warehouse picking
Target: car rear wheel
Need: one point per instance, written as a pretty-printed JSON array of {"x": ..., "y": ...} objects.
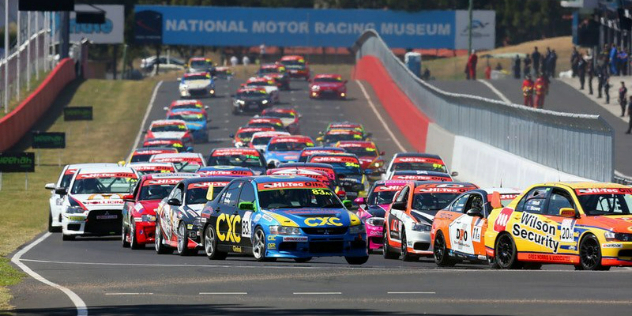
[
  {"x": 210, "y": 244},
  {"x": 386, "y": 249},
  {"x": 133, "y": 241},
  {"x": 506, "y": 253},
  {"x": 590, "y": 254},
  {"x": 441, "y": 256},
  {"x": 357, "y": 260},
  {"x": 405, "y": 255},
  {"x": 159, "y": 243},
  {"x": 183, "y": 240}
]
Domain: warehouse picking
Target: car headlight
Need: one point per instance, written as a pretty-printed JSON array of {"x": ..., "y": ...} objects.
[
  {"x": 284, "y": 230},
  {"x": 74, "y": 210},
  {"x": 378, "y": 164},
  {"x": 145, "y": 218},
  {"x": 358, "y": 229},
  {"x": 612, "y": 236},
  {"x": 421, "y": 227},
  {"x": 315, "y": 88},
  {"x": 264, "y": 102},
  {"x": 183, "y": 88},
  {"x": 241, "y": 102},
  {"x": 375, "y": 221}
]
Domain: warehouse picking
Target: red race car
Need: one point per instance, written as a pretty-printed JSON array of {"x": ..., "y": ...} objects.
[
  {"x": 370, "y": 157},
  {"x": 187, "y": 104},
  {"x": 328, "y": 86},
  {"x": 289, "y": 117},
  {"x": 276, "y": 71},
  {"x": 143, "y": 154},
  {"x": 296, "y": 66},
  {"x": 244, "y": 134},
  {"x": 139, "y": 211}
]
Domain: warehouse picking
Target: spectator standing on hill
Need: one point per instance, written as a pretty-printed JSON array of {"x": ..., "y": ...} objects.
[
  {"x": 622, "y": 63},
  {"x": 540, "y": 86},
  {"x": 527, "y": 91},
  {"x": 601, "y": 71},
  {"x": 234, "y": 61},
  {"x": 623, "y": 98},
  {"x": 581, "y": 72},
  {"x": 613, "y": 60},
  {"x": 262, "y": 53},
  {"x": 527, "y": 65},
  {"x": 553, "y": 63},
  {"x": 546, "y": 62},
  {"x": 516, "y": 67},
  {"x": 536, "y": 57},
  {"x": 630, "y": 116},
  {"x": 606, "y": 89},
  {"x": 575, "y": 57},
  {"x": 471, "y": 65},
  {"x": 590, "y": 70}
]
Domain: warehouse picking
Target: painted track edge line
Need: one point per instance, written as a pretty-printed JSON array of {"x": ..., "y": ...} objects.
[
  {"x": 379, "y": 116},
  {"x": 496, "y": 91},
  {"x": 82, "y": 308},
  {"x": 142, "y": 124}
]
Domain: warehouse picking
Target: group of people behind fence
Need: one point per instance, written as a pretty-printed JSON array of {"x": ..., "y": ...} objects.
[{"x": 536, "y": 64}]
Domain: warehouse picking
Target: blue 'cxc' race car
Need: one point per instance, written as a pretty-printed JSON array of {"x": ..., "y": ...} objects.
[
  {"x": 195, "y": 121},
  {"x": 274, "y": 217}
]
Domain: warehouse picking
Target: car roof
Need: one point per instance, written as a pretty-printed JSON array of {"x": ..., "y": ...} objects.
[
  {"x": 103, "y": 169},
  {"x": 191, "y": 74},
  {"x": 412, "y": 154},
  {"x": 501, "y": 190},
  {"x": 420, "y": 172},
  {"x": 206, "y": 179},
  {"x": 154, "y": 149},
  {"x": 586, "y": 185},
  {"x": 227, "y": 168},
  {"x": 356, "y": 143},
  {"x": 305, "y": 165},
  {"x": 91, "y": 165},
  {"x": 147, "y": 164},
  {"x": 168, "y": 122},
  {"x": 450, "y": 184},
  {"x": 178, "y": 155},
  {"x": 269, "y": 133},
  {"x": 327, "y": 76},
  {"x": 392, "y": 182},
  {"x": 280, "y": 178},
  {"x": 168, "y": 175}
]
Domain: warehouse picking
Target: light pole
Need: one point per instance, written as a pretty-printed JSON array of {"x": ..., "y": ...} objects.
[{"x": 469, "y": 35}]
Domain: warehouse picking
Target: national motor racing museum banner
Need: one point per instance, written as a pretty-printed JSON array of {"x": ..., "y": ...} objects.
[
  {"x": 222, "y": 26},
  {"x": 110, "y": 32}
]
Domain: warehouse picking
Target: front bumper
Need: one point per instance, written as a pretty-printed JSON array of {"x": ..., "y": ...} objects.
[
  {"x": 331, "y": 94},
  {"x": 94, "y": 223},
  {"x": 200, "y": 134},
  {"x": 145, "y": 232},
  {"x": 418, "y": 242},
  {"x": 375, "y": 235},
  {"x": 304, "y": 246},
  {"x": 193, "y": 93}
]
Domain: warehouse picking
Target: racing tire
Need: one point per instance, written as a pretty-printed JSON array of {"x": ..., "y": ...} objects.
[
  {"x": 51, "y": 228},
  {"x": 183, "y": 240},
  {"x": 405, "y": 255},
  {"x": 259, "y": 245},
  {"x": 357, "y": 260},
  {"x": 506, "y": 253},
  {"x": 590, "y": 254},
  {"x": 133, "y": 241},
  {"x": 440, "y": 252},
  {"x": 161, "y": 249},
  {"x": 386, "y": 249},
  {"x": 302, "y": 260},
  {"x": 124, "y": 241},
  {"x": 210, "y": 244},
  {"x": 67, "y": 237}
]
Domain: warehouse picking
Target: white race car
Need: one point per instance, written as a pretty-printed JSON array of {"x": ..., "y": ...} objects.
[
  {"x": 55, "y": 201},
  {"x": 267, "y": 83},
  {"x": 199, "y": 84},
  {"x": 416, "y": 162},
  {"x": 93, "y": 202},
  {"x": 260, "y": 140}
]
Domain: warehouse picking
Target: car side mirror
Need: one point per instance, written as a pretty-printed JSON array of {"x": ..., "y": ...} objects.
[
  {"x": 368, "y": 172},
  {"x": 320, "y": 139},
  {"x": 347, "y": 204},
  {"x": 399, "y": 205},
  {"x": 166, "y": 108},
  {"x": 174, "y": 202},
  {"x": 495, "y": 201},
  {"x": 475, "y": 212},
  {"x": 206, "y": 107},
  {"x": 231, "y": 135},
  {"x": 61, "y": 191},
  {"x": 359, "y": 200},
  {"x": 568, "y": 212},
  {"x": 246, "y": 206},
  {"x": 367, "y": 135},
  {"x": 454, "y": 174},
  {"x": 271, "y": 165},
  {"x": 179, "y": 79},
  {"x": 50, "y": 186},
  {"x": 144, "y": 131},
  {"x": 382, "y": 153},
  {"x": 128, "y": 198},
  {"x": 189, "y": 149}
]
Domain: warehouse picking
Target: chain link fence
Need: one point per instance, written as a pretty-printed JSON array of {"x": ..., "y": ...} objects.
[
  {"x": 28, "y": 56},
  {"x": 577, "y": 144}
]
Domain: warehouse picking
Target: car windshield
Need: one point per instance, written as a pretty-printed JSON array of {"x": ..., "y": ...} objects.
[
  {"x": 245, "y": 136},
  {"x": 196, "y": 196},
  {"x": 238, "y": 160},
  {"x": 269, "y": 70},
  {"x": 261, "y": 83},
  {"x": 261, "y": 140},
  {"x": 188, "y": 166},
  {"x": 332, "y": 138},
  {"x": 606, "y": 204},
  {"x": 187, "y": 117},
  {"x": 328, "y": 79},
  {"x": 105, "y": 185},
  {"x": 196, "y": 77},
  {"x": 423, "y": 166},
  {"x": 155, "y": 192},
  {"x": 293, "y": 64},
  {"x": 362, "y": 151},
  {"x": 432, "y": 202},
  {"x": 346, "y": 168},
  {"x": 169, "y": 128},
  {"x": 287, "y": 146},
  {"x": 65, "y": 180},
  {"x": 380, "y": 198},
  {"x": 376, "y": 212},
  {"x": 200, "y": 64},
  {"x": 281, "y": 114},
  {"x": 252, "y": 94},
  {"x": 298, "y": 198}
]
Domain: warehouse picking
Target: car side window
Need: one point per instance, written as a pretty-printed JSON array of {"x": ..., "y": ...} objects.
[
  {"x": 459, "y": 205},
  {"x": 232, "y": 193},
  {"x": 177, "y": 193},
  {"x": 475, "y": 201},
  {"x": 534, "y": 201},
  {"x": 559, "y": 199},
  {"x": 403, "y": 195},
  {"x": 247, "y": 193}
]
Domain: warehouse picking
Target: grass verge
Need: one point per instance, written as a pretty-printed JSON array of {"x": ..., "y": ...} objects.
[
  {"x": 24, "y": 91},
  {"x": 118, "y": 108}
]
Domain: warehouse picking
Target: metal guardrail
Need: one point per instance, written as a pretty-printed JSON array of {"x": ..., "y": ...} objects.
[{"x": 577, "y": 144}]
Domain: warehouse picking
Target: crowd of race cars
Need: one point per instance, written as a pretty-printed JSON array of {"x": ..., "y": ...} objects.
[{"x": 280, "y": 194}]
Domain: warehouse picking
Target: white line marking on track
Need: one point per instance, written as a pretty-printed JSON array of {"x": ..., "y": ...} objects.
[
  {"x": 82, "y": 309},
  {"x": 142, "y": 125},
  {"x": 496, "y": 91},
  {"x": 223, "y": 293},
  {"x": 317, "y": 293},
  {"x": 411, "y": 293},
  {"x": 379, "y": 117},
  {"x": 131, "y": 293}
]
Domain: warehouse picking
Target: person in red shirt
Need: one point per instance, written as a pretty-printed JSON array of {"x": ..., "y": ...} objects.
[
  {"x": 540, "y": 88},
  {"x": 471, "y": 65},
  {"x": 527, "y": 91}
]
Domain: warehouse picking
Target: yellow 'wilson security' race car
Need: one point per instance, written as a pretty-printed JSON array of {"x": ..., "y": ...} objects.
[{"x": 588, "y": 225}]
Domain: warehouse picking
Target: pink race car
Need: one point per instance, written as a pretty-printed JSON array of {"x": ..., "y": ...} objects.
[{"x": 373, "y": 208}]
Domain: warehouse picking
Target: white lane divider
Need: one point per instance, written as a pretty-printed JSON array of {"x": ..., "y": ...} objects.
[
  {"x": 379, "y": 117},
  {"x": 82, "y": 309},
  {"x": 223, "y": 293},
  {"x": 411, "y": 293},
  {"x": 496, "y": 91},
  {"x": 130, "y": 293},
  {"x": 142, "y": 125},
  {"x": 317, "y": 293}
]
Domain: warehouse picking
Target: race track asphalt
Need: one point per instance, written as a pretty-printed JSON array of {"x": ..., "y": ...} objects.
[{"x": 112, "y": 280}]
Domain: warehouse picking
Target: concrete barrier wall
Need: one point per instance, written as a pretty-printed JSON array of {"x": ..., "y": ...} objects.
[
  {"x": 17, "y": 123},
  {"x": 412, "y": 122}
]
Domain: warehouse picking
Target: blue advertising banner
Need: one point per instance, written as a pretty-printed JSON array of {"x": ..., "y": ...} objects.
[{"x": 232, "y": 26}]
